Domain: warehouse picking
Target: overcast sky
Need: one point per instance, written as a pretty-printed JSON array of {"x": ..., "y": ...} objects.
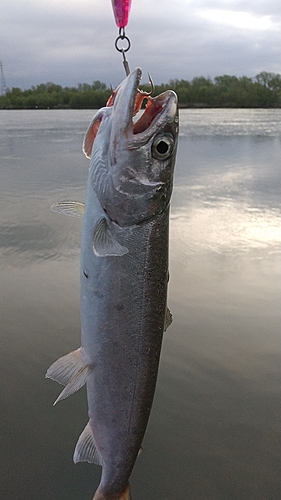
[{"x": 72, "y": 41}]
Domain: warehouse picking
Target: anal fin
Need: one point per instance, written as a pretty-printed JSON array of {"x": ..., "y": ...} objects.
[{"x": 86, "y": 449}]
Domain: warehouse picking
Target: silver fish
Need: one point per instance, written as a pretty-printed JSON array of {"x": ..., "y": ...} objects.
[{"x": 124, "y": 277}]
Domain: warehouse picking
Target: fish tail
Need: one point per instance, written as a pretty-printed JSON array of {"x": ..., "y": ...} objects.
[{"x": 125, "y": 495}]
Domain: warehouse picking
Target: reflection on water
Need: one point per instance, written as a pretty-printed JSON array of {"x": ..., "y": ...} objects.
[
  {"x": 219, "y": 214},
  {"x": 230, "y": 122},
  {"x": 213, "y": 433},
  {"x": 229, "y": 227}
]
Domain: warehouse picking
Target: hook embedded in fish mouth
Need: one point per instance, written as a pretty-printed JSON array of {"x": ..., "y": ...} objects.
[
  {"x": 127, "y": 100},
  {"x": 124, "y": 104},
  {"x": 151, "y": 85},
  {"x": 153, "y": 107}
]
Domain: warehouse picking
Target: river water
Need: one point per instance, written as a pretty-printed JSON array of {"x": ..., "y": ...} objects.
[{"x": 214, "y": 431}]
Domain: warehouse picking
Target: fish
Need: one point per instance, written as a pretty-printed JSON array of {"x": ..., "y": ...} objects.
[{"x": 123, "y": 277}]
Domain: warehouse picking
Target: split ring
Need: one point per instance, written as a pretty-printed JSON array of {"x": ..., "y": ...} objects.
[{"x": 121, "y": 49}]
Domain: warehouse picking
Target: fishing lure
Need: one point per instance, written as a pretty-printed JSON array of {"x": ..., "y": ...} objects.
[{"x": 121, "y": 9}]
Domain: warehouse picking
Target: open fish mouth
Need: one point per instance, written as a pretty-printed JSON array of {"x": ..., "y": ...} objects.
[
  {"x": 128, "y": 100},
  {"x": 153, "y": 107},
  {"x": 127, "y": 129}
]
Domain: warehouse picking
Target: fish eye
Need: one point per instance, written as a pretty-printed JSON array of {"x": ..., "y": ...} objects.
[{"x": 163, "y": 146}]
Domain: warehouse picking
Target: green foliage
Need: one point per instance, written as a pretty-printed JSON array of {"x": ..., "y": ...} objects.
[{"x": 262, "y": 91}]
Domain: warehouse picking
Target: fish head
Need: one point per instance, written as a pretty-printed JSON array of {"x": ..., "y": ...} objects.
[{"x": 133, "y": 152}]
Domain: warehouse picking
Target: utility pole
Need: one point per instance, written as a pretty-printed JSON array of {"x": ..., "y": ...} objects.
[{"x": 3, "y": 81}]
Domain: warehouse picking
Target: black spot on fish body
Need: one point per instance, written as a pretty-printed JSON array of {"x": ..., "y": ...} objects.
[
  {"x": 99, "y": 295},
  {"x": 119, "y": 307},
  {"x": 85, "y": 274}
]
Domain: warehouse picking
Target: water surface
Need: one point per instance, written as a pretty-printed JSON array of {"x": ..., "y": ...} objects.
[{"x": 214, "y": 431}]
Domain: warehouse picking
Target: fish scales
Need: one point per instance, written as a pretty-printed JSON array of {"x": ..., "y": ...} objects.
[
  {"x": 123, "y": 278},
  {"x": 127, "y": 335}
]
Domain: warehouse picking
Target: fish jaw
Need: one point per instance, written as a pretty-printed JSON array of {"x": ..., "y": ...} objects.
[
  {"x": 124, "y": 106},
  {"x": 132, "y": 160},
  {"x": 128, "y": 101}
]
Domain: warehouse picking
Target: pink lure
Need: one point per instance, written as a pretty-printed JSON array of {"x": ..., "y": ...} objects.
[{"x": 121, "y": 9}]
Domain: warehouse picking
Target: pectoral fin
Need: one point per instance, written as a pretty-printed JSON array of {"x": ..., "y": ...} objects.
[
  {"x": 67, "y": 207},
  {"x": 104, "y": 244}
]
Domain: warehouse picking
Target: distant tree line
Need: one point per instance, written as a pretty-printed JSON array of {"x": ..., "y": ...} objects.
[{"x": 262, "y": 91}]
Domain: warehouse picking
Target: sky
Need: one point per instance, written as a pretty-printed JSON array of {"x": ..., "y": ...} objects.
[{"x": 72, "y": 41}]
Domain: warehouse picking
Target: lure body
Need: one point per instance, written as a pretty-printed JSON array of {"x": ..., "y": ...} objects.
[{"x": 121, "y": 9}]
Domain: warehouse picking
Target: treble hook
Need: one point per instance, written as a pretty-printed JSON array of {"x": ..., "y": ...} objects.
[
  {"x": 125, "y": 63},
  {"x": 147, "y": 94},
  {"x": 122, "y": 36}
]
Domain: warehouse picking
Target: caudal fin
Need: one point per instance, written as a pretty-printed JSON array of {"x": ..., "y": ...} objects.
[{"x": 126, "y": 495}]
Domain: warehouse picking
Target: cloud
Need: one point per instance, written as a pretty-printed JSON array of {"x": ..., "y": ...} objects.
[
  {"x": 69, "y": 42},
  {"x": 242, "y": 20}
]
